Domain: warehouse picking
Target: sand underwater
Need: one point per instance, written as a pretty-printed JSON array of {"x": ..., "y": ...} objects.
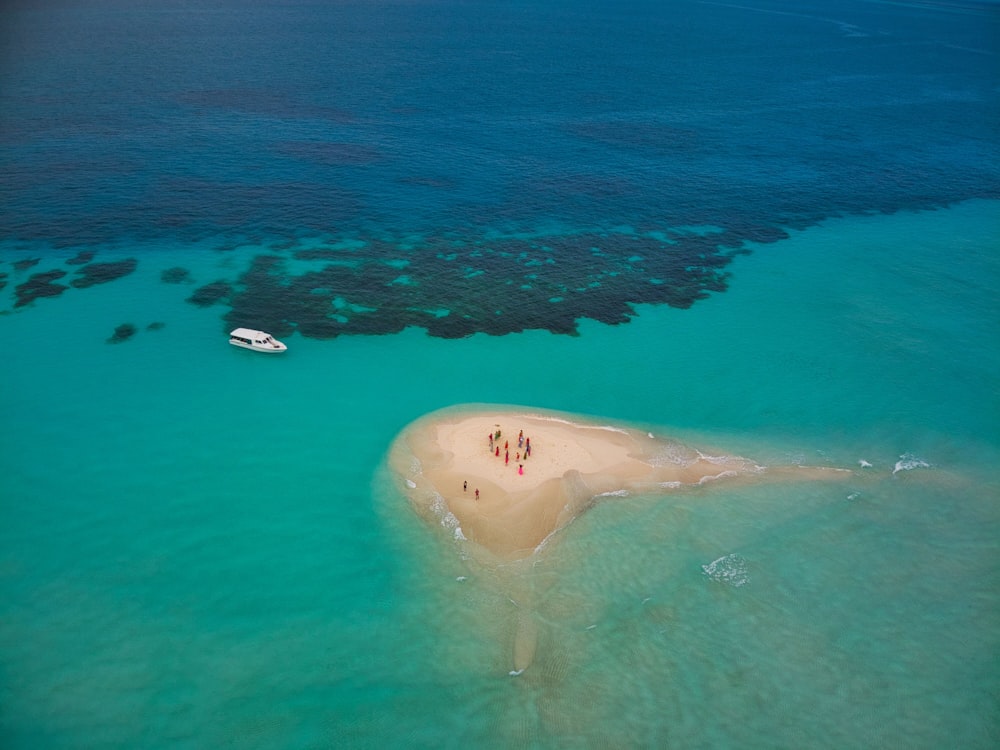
[
  {"x": 765, "y": 233},
  {"x": 204, "y": 545}
]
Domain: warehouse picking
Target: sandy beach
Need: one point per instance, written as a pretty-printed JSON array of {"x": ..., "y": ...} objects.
[{"x": 523, "y": 499}]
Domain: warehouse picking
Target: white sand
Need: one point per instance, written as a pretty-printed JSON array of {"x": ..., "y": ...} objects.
[{"x": 571, "y": 463}]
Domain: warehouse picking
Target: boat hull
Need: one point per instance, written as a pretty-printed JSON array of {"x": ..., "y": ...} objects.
[{"x": 260, "y": 348}]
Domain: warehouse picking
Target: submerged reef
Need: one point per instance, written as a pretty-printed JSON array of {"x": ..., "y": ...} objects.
[
  {"x": 208, "y": 295},
  {"x": 43, "y": 284},
  {"x": 25, "y": 264},
  {"x": 122, "y": 333},
  {"x": 175, "y": 275},
  {"x": 102, "y": 273},
  {"x": 39, "y": 285},
  {"x": 81, "y": 258},
  {"x": 454, "y": 288}
]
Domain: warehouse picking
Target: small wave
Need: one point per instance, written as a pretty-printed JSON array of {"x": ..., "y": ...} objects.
[
  {"x": 714, "y": 459},
  {"x": 672, "y": 454},
  {"x": 411, "y": 484},
  {"x": 721, "y": 475},
  {"x": 609, "y": 428},
  {"x": 516, "y": 672},
  {"x": 908, "y": 462},
  {"x": 447, "y": 519},
  {"x": 544, "y": 543},
  {"x": 671, "y": 485},
  {"x": 614, "y": 493},
  {"x": 854, "y": 496},
  {"x": 730, "y": 569},
  {"x": 743, "y": 464},
  {"x": 864, "y": 464},
  {"x": 461, "y": 578}
]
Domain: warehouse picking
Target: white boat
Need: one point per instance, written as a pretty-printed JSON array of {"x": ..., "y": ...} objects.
[{"x": 259, "y": 341}]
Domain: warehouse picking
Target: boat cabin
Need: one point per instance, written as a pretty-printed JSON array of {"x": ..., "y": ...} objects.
[{"x": 258, "y": 341}]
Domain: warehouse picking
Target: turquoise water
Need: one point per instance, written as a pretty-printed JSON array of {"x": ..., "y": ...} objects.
[
  {"x": 543, "y": 203},
  {"x": 202, "y": 547}
]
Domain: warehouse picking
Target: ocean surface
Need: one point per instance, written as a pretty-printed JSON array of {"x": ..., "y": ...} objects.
[{"x": 768, "y": 229}]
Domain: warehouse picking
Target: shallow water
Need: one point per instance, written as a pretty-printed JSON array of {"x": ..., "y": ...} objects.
[{"x": 202, "y": 546}]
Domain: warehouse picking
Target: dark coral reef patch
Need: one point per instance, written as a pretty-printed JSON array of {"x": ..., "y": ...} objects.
[
  {"x": 81, "y": 258},
  {"x": 208, "y": 295},
  {"x": 102, "y": 273},
  {"x": 44, "y": 284},
  {"x": 175, "y": 275},
  {"x": 453, "y": 288},
  {"x": 122, "y": 333},
  {"x": 39, "y": 285},
  {"x": 25, "y": 264}
]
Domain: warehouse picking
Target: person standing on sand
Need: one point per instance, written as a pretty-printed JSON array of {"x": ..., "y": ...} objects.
[
  {"x": 520, "y": 468},
  {"x": 498, "y": 452},
  {"x": 491, "y": 441},
  {"x": 465, "y": 486},
  {"x": 506, "y": 458},
  {"x": 477, "y": 493}
]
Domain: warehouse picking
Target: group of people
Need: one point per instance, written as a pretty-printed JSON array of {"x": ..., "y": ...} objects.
[{"x": 523, "y": 443}]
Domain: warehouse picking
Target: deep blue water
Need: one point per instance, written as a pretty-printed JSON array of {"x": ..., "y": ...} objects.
[
  {"x": 456, "y": 138},
  {"x": 769, "y": 228}
]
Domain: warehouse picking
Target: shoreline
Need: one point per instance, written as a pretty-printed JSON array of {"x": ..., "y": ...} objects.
[{"x": 447, "y": 457}]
